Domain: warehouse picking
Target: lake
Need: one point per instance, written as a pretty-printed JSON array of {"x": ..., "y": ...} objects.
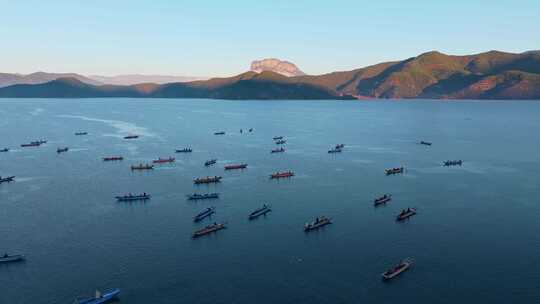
[{"x": 475, "y": 237}]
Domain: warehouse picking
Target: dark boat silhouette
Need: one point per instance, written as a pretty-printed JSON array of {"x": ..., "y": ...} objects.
[
  {"x": 317, "y": 223},
  {"x": 261, "y": 211},
  {"x": 207, "y": 180},
  {"x": 398, "y": 269},
  {"x": 204, "y": 214},
  {"x": 210, "y": 162},
  {"x": 208, "y": 229},
  {"x": 405, "y": 214},
  {"x": 196, "y": 196}
]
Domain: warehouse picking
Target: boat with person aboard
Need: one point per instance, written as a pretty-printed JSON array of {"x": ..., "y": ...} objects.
[
  {"x": 283, "y": 174},
  {"x": 204, "y": 214},
  {"x": 184, "y": 150},
  {"x": 393, "y": 171},
  {"x": 278, "y": 138},
  {"x": 7, "y": 179},
  {"x": 207, "y": 180},
  {"x": 208, "y": 229},
  {"x": 4, "y": 150},
  {"x": 196, "y": 196},
  {"x": 210, "y": 162},
  {"x": 131, "y": 136},
  {"x": 450, "y": 163},
  {"x": 335, "y": 150},
  {"x": 133, "y": 197},
  {"x": 317, "y": 223},
  {"x": 163, "y": 160},
  {"x": 99, "y": 298},
  {"x": 81, "y": 133},
  {"x": 382, "y": 200},
  {"x": 9, "y": 258},
  {"x": 219, "y": 133},
  {"x": 340, "y": 146},
  {"x": 113, "y": 158},
  {"x": 260, "y": 211},
  {"x": 425, "y": 143},
  {"x": 62, "y": 150},
  {"x": 398, "y": 269},
  {"x": 235, "y": 166},
  {"x": 142, "y": 167},
  {"x": 278, "y": 150},
  {"x": 405, "y": 214}
]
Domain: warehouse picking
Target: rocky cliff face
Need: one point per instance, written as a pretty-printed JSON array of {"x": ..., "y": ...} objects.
[{"x": 277, "y": 66}]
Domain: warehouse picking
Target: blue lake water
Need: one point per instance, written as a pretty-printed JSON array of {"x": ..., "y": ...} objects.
[{"x": 475, "y": 238}]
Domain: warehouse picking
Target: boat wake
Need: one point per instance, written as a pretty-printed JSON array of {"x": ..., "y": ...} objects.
[{"x": 122, "y": 127}]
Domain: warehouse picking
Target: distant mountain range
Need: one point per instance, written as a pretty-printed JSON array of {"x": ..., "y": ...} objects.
[
  {"x": 131, "y": 79},
  {"x": 7, "y": 79},
  {"x": 491, "y": 75}
]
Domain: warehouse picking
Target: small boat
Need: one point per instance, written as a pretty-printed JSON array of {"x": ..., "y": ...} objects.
[
  {"x": 99, "y": 298},
  {"x": 335, "y": 150},
  {"x": 196, "y": 196},
  {"x": 261, "y": 211},
  {"x": 394, "y": 171},
  {"x": 450, "y": 163},
  {"x": 32, "y": 144},
  {"x": 317, "y": 223},
  {"x": 219, "y": 133},
  {"x": 204, "y": 214},
  {"x": 142, "y": 167},
  {"x": 207, "y": 180},
  {"x": 279, "y": 150},
  {"x": 208, "y": 229},
  {"x": 62, "y": 150},
  {"x": 7, "y": 179},
  {"x": 405, "y": 214},
  {"x": 9, "y": 258},
  {"x": 113, "y": 158},
  {"x": 280, "y": 142},
  {"x": 281, "y": 174},
  {"x": 278, "y": 138},
  {"x": 4, "y": 150},
  {"x": 210, "y": 162},
  {"x": 185, "y": 150},
  {"x": 131, "y": 197},
  {"x": 425, "y": 143},
  {"x": 398, "y": 269},
  {"x": 81, "y": 133},
  {"x": 131, "y": 136},
  {"x": 163, "y": 160},
  {"x": 236, "y": 166},
  {"x": 382, "y": 200},
  {"x": 340, "y": 146}
]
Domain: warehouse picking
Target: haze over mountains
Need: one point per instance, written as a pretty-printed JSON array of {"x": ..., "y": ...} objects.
[
  {"x": 490, "y": 75},
  {"x": 7, "y": 79}
]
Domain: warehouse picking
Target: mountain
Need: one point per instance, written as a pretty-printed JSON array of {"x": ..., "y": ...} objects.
[
  {"x": 7, "y": 79},
  {"x": 250, "y": 85},
  {"x": 490, "y": 75},
  {"x": 284, "y": 68},
  {"x": 131, "y": 79}
]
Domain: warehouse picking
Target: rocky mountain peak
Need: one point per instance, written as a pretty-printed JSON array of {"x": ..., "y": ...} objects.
[{"x": 275, "y": 65}]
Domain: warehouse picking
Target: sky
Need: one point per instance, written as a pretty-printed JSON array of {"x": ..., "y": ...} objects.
[{"x": 220, "y": 38}]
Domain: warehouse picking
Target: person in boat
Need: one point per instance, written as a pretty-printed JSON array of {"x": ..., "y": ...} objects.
[
  {"x": 5, "y": 255},
  {"x": 241, "y": 131}
]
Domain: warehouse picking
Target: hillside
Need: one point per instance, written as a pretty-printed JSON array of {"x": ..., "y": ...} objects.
[{"x": 490, "y": 75}]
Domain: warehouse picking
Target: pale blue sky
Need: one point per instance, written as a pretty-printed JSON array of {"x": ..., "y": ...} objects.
[{"x": 220, "y": 38}]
